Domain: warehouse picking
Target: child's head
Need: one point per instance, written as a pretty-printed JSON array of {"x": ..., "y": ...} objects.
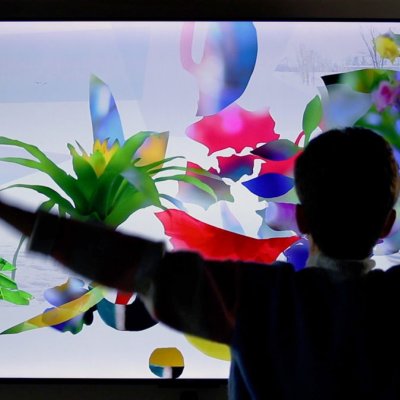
[{"x": 347, "y": 183}]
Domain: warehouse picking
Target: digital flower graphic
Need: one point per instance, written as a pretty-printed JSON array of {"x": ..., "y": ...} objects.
[
  {"x": 234, "y": 127},
  {"x": 387, "y": 95},
  {"x": 383, "y": 96},
  {"x": 387, "y": 47},
  {"x": 58, "y": 296},
  {"x": 101, "y": 155},
  {"x": 117, "y": 179}
]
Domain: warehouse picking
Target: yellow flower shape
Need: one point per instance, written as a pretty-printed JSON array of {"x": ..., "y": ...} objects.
[
  {"x": 101, "y": 155},
  {"x": 387, "y": 47}
]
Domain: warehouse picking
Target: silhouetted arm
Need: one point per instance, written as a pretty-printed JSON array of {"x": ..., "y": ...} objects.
[
  {"x": 180, "y": 289},
  {"x": 92, "y": 250},
  {"x": 20, "y": 219}
]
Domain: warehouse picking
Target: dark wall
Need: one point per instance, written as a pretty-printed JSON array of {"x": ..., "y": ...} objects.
[
  {"x": 112, "y": 390},
  {"x": 198, "y": 9}
]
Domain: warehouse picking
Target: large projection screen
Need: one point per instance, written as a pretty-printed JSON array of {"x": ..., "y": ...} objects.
[{"x": 220, "y": 90}]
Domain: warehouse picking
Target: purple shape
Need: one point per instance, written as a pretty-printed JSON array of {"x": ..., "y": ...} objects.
[
  {"x": 278, "y": 150},
  {"x": 69, "y": 291},
  {"x": 281, "y": 217},
  {"x": 388, "y": 245},
  {"x": 297, "y": 254},
  {"x": 270, "y": 185}
]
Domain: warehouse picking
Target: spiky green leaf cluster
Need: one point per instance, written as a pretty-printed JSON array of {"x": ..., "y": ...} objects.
[{"x": 111, "y": 197}]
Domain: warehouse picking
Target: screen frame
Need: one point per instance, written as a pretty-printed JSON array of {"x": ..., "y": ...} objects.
[
  {"x": 173, "y": 10},
  {"x": 147, "y": 10}
]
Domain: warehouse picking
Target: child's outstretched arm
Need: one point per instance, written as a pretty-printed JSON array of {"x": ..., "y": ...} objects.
[{"x": 180, "y": 289}]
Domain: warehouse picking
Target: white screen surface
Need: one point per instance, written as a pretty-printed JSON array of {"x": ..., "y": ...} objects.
[{"x": 44, "y": 100}]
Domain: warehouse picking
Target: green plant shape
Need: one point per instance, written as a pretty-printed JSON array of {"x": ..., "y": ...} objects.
[
  {"x": 108, "y": 185},
  {"x": 117, "y": 179},
  {"x": 8, "y": 287},
  {"x": 311, "y": 118}
]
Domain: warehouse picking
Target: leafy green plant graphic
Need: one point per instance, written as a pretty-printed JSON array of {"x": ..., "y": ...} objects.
[
  {"x": 118, "y": 178},
  {"x": 8, "y": 287}
]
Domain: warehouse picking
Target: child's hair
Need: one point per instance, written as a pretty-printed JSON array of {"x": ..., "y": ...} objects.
[{"x": 347, "y": 183}]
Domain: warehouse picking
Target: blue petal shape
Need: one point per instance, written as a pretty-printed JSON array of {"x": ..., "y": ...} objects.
[
  {"x": 278, "y": 150},
  {"x": 270, "y": 185},
  {"x": 106, "y": 122},
  {"x": 69, "y": 291},
  {"x": 228, "y": 60},
  {"x": 297, "y": 254}
]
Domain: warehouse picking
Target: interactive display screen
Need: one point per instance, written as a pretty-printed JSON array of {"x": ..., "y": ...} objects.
[{"x": 176, "y": 131}]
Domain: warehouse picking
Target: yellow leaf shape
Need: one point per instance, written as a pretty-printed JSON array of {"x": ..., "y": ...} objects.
[
  {"x": 60, "y": 314},
  {"x": 209, "y": 348},
  {"x": 153, "y": 149}
]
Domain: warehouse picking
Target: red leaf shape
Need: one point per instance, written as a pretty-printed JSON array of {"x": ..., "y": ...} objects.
[
  {"x": 233, "y": 127},
  {"x": 188, "y": 233},
  {"x": 285, "y": 167}
]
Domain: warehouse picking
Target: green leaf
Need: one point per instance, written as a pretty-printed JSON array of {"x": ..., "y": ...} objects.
[
  {"x": 66, "y": 182},
  {"x": 6, "y": 282},
  {"x": 15, "y": 296},
  {"x": 136, "y": 192},
  {"x": 117, "y": 187},
  {"x": 47, "y": 205},
  {"x": 6, "y": 266},
  {"x": 130, "y": 201},
  {"x": 123, "y": 157},
  {"x": 192, "y": 180},
  {"x": 25, "y": 162},
  {"x": 53, "y": 196},
  {"x": 120, "y": 161},
  {"x": 312, "y": 117},
  {"x": 155, "y": 164},
  {"x": 143, "y": 183},
  {"x": 197, "y": 171},
  {"x": 87, "y": 178}
]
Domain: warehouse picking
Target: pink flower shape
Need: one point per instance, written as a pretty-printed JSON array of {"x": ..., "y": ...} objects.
[
  {"x": 383, "y": 96},
  {"x": 233, "y": 127}
]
